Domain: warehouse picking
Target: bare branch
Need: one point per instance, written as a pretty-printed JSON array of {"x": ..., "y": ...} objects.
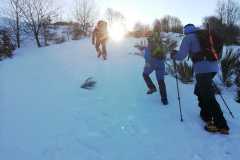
[{"x": 85, "y": 13}]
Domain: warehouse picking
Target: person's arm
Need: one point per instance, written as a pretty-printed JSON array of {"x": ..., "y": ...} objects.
[
  {"x": 94, "y": 37},
  {"x": 184, "y": 49}
]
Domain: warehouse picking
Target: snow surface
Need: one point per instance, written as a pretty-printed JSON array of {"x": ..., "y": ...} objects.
[{"x": 45, "y": 115}]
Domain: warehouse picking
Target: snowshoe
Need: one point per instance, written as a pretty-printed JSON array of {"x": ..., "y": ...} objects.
[
  {"x": 210, "y": 127},
  {"x": 224, "y": 131}
]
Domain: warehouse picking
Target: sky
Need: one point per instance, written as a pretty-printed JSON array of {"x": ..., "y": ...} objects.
[{"x": 146, "y": 11}]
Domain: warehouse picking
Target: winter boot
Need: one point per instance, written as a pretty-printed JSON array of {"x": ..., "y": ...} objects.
[
  {"x": 104, "y": 57},
  {"x": 211, "y": 127},
  {"x": 151, "y": 91},
  {"x": 163, "y": 92},
  {"x": 164, "y": 101}
]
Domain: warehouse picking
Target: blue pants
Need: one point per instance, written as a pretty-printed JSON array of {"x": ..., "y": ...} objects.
[
  {"x": 160, "y": 72},
  {"x": 158, "y": 68}
]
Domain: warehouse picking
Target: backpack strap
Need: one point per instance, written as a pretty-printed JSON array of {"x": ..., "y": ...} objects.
[{"x": 213, "y": 51}]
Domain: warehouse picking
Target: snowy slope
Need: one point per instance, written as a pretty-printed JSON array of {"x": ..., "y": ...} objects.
[{"x": 45, "y": 115}]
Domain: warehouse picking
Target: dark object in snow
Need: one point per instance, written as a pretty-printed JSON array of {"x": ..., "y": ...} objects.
[
  {"x": 88, "y": 84},
  {"x": 238, "y": 96}
]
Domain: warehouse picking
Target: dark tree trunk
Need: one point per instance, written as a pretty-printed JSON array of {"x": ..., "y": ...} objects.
[
  {"x": 36, "y": 35},
  {"x": 45, "y": 34},
  {"x": 18, "y": 31}
]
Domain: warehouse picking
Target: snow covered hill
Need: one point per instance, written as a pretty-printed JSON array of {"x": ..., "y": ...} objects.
[{"x": 45, "y": 115}]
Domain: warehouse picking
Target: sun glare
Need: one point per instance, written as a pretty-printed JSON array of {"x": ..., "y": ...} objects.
[{"x": 117, "y": 32}]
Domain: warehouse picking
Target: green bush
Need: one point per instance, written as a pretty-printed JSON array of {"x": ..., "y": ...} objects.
[
  {"x": 185, "y": 72},
  {"x": 229, "y": 63}
]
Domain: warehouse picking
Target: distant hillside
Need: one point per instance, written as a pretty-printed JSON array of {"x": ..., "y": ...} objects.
[{"x": 4, "y": 22}]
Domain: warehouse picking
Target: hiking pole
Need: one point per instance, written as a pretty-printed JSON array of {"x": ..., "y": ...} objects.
[
  {"x": 179, "y": 99},
  {"x": 224, "y": 101}
]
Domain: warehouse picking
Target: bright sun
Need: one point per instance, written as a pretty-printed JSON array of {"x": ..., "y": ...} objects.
[{"x": 117, "y": 31}]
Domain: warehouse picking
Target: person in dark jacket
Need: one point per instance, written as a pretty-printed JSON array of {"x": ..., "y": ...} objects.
[
  {"x": 99, "y": 39},
  {"x": 205, "y": 71}
]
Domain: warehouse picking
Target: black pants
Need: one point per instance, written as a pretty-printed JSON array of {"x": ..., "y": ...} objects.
[{"x": 210, "y": 109}]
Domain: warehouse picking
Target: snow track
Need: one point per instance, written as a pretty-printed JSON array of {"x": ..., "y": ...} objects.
[{"x": 45, "y": 115}]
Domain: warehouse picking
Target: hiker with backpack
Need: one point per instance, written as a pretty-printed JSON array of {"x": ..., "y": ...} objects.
[
  {"x": 204, "y": 48},
  {"x": 99, "y": 39},
  {"x": 155, "y": 55}
]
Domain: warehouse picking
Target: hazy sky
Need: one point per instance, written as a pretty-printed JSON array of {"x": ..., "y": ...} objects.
[
  {"x": 147, "y": 10},
  {"x": 189, "y": 11}
]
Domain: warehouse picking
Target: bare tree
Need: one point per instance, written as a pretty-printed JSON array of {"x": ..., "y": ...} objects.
[
  {"x": 229, "y": 33},
  {"x": 233, "y": 12},
  {"x": 176, "y": 25},
  {"x": 228, "y": 11},
  {"x": 221, "y": 9},
  {"x": 171, "y": 24},
  {"x": 165, "y": 23},
  {"x": 12, "y": 12},
  {"x": 139, "y": 27},
  {"x": 113, "y": 16},
  {"x": 35, "y": 13},
  {"x": 85, "y": 13},
  {"x": 141, "y": 30}
]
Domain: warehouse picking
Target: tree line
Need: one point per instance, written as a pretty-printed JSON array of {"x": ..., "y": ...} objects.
[{"x": 35, "y": 17}]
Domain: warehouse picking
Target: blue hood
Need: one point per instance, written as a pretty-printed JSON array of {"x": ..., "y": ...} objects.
[{"x": 190, "y": 29}]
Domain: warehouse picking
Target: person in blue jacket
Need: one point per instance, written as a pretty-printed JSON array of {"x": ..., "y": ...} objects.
[
  {"x": 205, "y": 71},
  {"x": 155, "y": 63}
]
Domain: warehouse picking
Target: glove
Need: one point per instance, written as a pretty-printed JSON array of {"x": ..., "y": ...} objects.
[{"x": 173, "y": 54}]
